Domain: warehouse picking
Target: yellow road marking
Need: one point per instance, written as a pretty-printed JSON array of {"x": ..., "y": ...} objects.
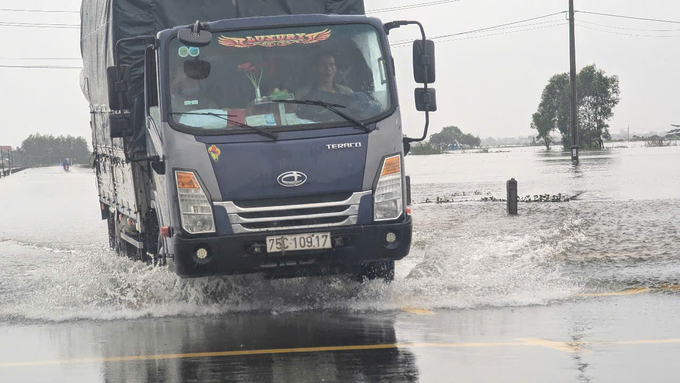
[
  {"x": 559, "y": 346},
  {"x": 250, "y": 352},
  {"x": 671, "y": 288},
  {"x": 415, "y": 310},
  {"x": 636, "y": 290},
  {"x": 570, "y": 347},
  {"x": 202, "y": 355},
  {"x": 636, "y": 342}
]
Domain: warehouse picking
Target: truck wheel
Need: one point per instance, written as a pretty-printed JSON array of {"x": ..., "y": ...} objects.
[
  {"x": 112, "y": 232},
  {"x": 132, "y": 252},
  {"x": 377, "y": 270}
]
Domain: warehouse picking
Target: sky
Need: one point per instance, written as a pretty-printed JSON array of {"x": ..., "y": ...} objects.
[{"x": 488, "y": 83}]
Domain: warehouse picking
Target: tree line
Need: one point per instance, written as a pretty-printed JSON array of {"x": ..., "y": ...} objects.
[
  {"x": 451, "y": 137},
  {"x": 43, "y": 150},
  {"x": 597, "y": 95}
]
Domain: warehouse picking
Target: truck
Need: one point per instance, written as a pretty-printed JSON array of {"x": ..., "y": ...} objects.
[{"x": 258, "y": 136}]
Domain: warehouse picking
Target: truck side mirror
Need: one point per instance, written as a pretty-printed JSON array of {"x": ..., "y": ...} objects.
[
  {"x": 119, "y": 86},
  {"x": 423, "y": 61},
  {"x": 119, "y": 125},
  {"x": 426, "y": 100},
  {"x": 200, "y": 39}
]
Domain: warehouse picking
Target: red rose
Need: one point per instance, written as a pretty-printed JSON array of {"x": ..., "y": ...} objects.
[{"x": 245, "y": 66}]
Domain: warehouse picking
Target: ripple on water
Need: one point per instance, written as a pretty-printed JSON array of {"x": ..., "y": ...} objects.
[
  {"x": 464, "y": 255},
  {"x": 456, "y": 263}
]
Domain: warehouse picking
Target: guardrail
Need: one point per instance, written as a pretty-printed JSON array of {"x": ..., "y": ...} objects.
[
  {"x": 7, "y": 172},
  {"x": 7, "y": 162}
]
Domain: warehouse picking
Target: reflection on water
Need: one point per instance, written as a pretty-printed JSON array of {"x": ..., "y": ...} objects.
[{"x": 257, "y": 332}]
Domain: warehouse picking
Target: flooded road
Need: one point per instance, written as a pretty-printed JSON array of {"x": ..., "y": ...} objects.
[{"x": 581, "y": 290}]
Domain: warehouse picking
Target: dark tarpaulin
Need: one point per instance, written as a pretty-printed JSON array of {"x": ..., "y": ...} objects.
[
  {"x": 247, "y": 8},
  {"x": 103, "y": 22}
]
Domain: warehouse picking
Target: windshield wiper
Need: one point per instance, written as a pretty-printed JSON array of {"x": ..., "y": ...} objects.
[
  {"x": 330, "y": 106},
  {"x": 255, "y": 129}
]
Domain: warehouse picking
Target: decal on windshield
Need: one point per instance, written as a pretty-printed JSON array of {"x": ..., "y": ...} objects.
[
  {"x": 281, "y": 40},
  {"x": 214, "y": 152}
]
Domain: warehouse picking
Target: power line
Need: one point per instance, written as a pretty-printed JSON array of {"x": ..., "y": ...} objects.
[
  {"x": 553, "y": 24},
  {"x": 410, "y": 6},
  {"x": 629, "y": 17},
  {"x": 513, "y": 24},
  {"x": 36, "y": 10},
  {"x": 623, "y": 34},
  {"x": 40, "y": 58},
  {"x": 629, "y": 29},
  {"x": 400, "y": 42},
  {"x": 498, "y": 26},
  {"x": 34, "y": 25},
  {"x": 40, "y": 67},
  {"x": 557, "y": 23}
]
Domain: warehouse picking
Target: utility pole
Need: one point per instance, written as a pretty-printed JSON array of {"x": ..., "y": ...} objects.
[{"x": 572, "y": 80}]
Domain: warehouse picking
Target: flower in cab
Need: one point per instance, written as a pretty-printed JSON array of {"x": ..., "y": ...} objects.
[{"x": 251, "y": 70}]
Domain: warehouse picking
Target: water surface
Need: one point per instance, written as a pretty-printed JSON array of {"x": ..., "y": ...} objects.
[{"x": 622, "y": 230}]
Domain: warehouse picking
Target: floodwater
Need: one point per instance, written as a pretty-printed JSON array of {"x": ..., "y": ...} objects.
[
  {"x": 482, "y": 297},
  {"x": 621, "y": 230}
]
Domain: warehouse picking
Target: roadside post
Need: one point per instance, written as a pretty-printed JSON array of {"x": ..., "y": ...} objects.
[{"x": 511, "y": 187}]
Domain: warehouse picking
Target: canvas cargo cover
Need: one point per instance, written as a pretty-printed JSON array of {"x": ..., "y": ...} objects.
[{"x": 103, "y": 22}]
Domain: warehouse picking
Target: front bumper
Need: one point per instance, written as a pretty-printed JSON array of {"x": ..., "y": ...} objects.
[{"x": 238, "y": 254}]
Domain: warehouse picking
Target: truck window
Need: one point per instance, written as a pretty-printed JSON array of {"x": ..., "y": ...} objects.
[{"x": 241, "y": 75}]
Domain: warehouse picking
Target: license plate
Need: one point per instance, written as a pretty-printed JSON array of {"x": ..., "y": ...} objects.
[{"x": 296, "y": 242}]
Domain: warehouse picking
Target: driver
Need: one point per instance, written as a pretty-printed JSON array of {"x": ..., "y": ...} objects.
[
  {"x": 325, "y": 70},
  {"x": 326, "y": 89}
]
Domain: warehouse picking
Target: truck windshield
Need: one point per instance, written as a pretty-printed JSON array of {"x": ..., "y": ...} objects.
[{"x": 246, "y": 77}]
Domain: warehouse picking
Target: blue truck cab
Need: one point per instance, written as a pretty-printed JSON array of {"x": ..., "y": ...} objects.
[{"x": 267, "y": 144}]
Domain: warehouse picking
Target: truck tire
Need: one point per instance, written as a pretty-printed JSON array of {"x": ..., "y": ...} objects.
[
  {"x": 377, "y": 270},
  {"x": 113, "y": 241}
]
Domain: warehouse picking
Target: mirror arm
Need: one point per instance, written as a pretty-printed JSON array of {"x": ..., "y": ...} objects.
[
  {"x": 199, "y": 26},
  {"x": 116, "y": 58},
  {"x": 427, "y": 125},
  {"x": 401, "y": 23},
  {"x": 116, "y": 48}
]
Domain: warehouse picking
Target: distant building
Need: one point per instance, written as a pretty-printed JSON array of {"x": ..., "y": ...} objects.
[{"x": 4, "y": 156}]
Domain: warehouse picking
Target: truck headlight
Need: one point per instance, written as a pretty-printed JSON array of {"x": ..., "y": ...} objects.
[
  {"x": 194, "y": 207},
  {"x": 387, "y": 200}
]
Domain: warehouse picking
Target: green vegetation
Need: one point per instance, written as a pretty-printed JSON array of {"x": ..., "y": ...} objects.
[
  {"x": 424, "y": 148},
  {"x": 451, "y": 137},
  {"x": 598, "y": 94},
  {"x": 39, "y": 150},
  {"x": 673, "y": 134}
]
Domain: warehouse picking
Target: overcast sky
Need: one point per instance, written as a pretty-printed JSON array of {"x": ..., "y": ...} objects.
[{"x": 488, "y": 83}]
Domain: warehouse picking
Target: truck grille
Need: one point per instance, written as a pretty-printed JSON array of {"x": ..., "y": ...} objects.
[{"x": 335, "y": 210}]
